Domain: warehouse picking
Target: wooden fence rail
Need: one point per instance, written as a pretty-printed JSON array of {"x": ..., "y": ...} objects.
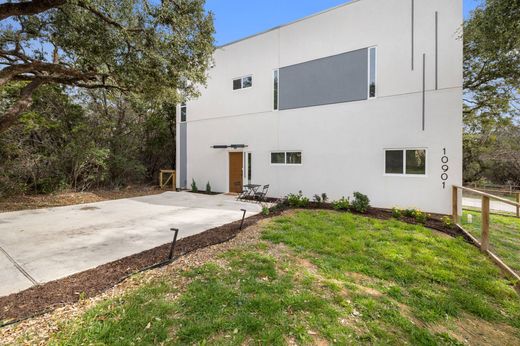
[{"x": 483, "y": 244}]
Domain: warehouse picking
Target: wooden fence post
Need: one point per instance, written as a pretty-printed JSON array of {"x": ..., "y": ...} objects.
[
  {"x": 455, "y": 204},
  {"x": 517, "y": 207},
  {"x": 485, "y": 224}
]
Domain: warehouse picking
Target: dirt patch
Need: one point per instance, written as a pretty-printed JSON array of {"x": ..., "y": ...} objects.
[
  {"x": 26, "y": 202},
  {"x": 472, "y": 331}
]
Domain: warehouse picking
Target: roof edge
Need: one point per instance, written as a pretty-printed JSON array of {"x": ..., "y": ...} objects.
[{"x": 289, "y": 23}]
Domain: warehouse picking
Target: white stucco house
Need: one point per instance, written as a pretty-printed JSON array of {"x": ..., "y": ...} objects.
[{"x": 366, "y": 96}]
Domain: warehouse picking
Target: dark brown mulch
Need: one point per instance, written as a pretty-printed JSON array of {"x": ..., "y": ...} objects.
[{"x": 40, "y": 299}]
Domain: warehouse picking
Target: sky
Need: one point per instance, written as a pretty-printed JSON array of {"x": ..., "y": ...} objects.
[{"x": 235, "y": 19}]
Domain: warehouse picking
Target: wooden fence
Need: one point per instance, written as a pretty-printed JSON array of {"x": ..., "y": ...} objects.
[{"x": 483, "y": 244}]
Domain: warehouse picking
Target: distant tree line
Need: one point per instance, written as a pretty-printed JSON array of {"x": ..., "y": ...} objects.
[
  {"x": 88, "y": 89},
  {"x": 491, "y": 92}
]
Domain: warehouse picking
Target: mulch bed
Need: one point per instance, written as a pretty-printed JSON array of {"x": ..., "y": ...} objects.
[{"x": 40, "y": 299}]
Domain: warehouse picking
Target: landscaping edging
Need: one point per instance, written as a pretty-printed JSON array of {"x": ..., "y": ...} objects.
[{"x": 44, "y": 298}]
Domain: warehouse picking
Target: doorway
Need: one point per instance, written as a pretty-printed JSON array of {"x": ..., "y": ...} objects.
[{"x": 236, "y": 165}]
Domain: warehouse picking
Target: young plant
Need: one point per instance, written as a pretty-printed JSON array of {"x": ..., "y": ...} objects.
[
  {"x": 324, "y": 197},
  {"x": 447, "y": 222},
  {"x": 208, "y": 188},
  {"x": 418, "y": 215},
  {"x": 297, "y": 200},
  {"x": 341, "y": 204},
  {"x": 397, "y": 213},
  {"x": 317, "y": 199},
  {"x": 360, "y": 203},
  {"x": 265, "y": 211},
  {"x": 194, "y": 187}
]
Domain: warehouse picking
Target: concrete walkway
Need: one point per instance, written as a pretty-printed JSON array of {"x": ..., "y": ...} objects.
[
  {"x": 494, "y": 205},
  {"x": 38, "y": 246}
]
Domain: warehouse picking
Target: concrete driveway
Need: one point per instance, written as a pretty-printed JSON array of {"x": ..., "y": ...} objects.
[
  {"x": 494, "y": 205},
  {"x": 38, "y": 246}
]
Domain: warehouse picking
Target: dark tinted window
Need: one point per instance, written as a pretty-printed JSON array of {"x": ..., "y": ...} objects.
[
  {"x": 278, "y": 158},
  {"x": 183, "y": 112},
  {"x": 372, "y": 81},
  {"x": 416, "y": 162},
  {"x": 237, "y": 84},
  {"x": 394, "y": 162},
  {"x": 294, "y": 158}
]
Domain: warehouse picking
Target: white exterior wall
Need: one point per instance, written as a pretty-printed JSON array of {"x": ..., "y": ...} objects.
[{"x": 342, "y": 144}]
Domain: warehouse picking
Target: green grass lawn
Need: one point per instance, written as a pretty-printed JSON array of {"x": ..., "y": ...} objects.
[
  {"x": 317, "y": 277},
  {"x": 504, "y": 235}
]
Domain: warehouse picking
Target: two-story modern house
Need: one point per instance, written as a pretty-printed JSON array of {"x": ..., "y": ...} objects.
[{"x": 366, "y": 96}]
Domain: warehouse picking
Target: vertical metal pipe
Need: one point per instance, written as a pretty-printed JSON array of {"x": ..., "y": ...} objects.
[
  {"x": 424, "y": 93},
  {"x": 172, "y": 248},
  {"x": 243, "y": 217}
]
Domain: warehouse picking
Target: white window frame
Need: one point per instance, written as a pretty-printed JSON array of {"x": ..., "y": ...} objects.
[
  {"x": 375, "y": 73},
  {"x": 277, "y": 70},
  {"x": 426, "y": 165},
  {"x": 242, "y": 82},
  {"x": 285, "y": 157}
]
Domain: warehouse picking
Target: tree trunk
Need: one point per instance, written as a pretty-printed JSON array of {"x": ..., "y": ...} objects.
[{"x": 20, "y": 106}]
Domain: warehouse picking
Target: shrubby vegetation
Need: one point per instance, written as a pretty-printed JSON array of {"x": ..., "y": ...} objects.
[{"x": 297, "y": 200}]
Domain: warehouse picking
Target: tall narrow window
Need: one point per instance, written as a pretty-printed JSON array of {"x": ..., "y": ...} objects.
[
  {"x": 249, "y": 167},
  {"x": 372, "y": 73},
  {"x": 275, "y": 89},
  {"x": 184, "y": 110}
]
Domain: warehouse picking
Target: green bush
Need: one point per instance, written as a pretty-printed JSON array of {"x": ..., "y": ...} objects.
[
  {"x": 297, "y": 200},
  {"x": 418, "y": 215},
  {"x": 208, "y": 188},
  {"x": 265, "y": 211},
  {"x": 194, "y": 187},
  {"x": 323, "y": 198},
  {"x": 317, "y": 199},
  {"x": 341, "y": 204},
  {"x": 447, "y": 222},
  {"x": 360, "y": 203},
  {"x": 397, "y": 213}
]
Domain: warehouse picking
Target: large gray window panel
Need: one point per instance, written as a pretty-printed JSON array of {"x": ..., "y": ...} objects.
[
  {"x": 334, "y": 79},
  {"x": 183, "y": 155}
]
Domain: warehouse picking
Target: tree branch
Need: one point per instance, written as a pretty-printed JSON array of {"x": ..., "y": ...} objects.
[
  {"x": 26, "y": 8},
  {"x": 20, "y": 106}
]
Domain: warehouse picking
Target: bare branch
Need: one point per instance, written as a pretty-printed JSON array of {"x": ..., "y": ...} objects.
[{"x": 25, "y": 8}]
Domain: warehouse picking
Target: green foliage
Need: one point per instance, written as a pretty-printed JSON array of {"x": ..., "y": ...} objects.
[
  {"x": 208, "y": 188},
  {"x": 297, "y": 200},
  {"x": 397, "y": 213},
  {"x": 194, "y": 187},
  {"x": 265, "y": 211},
  {"x": 323, "y": 198},
  {"x": 418, "y": 215},
  {"x": 447, "y": 222},
  {"x": 341, "y": 204},
  {"x": 360, "y": 203}
]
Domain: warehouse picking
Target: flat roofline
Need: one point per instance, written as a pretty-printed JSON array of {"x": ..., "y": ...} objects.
[{"x": 290, "y": 23}]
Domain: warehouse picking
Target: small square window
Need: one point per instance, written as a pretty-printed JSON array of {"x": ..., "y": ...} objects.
[
  {"x": 237, "y": 84},
  {"x": 416, "y": 162},
  {"x": 247, "y": 82},
  {"x": 278, "y": 158},
  {"x": 394, "y": 162},
  {"x": 294, "y": 158}
]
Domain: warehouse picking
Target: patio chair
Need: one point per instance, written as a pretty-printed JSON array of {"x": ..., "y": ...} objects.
[
  {"x": 260, "y": 196},
  {"x": 243, "y": 195}
]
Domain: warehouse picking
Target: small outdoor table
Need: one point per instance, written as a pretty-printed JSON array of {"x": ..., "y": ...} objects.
[{"x": 251, "y": 190}]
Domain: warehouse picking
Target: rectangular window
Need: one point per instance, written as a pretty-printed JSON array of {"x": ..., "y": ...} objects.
[
  {"x": 372, "y": 52},
  {"x": 242, "y": 83},
  {"x": 286, "y": 158},
  {"x": 278, "y": 158},
  {"x": 405, "y": 162},
  {"x": 275, "y": 89},
  {"x": 184, "y": 110},
  {"x": 249, "y": 167}
]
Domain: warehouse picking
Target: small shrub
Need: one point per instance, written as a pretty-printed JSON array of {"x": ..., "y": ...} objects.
[
  {"x": 297, "y": 200},
  {"x": 341, "y": 204},
  {"x": 324, "y": 197},
  {"x": 194, "y": 187},
  {"x": 208, "y": 188},
  {"x": 418, "y": 215},
  {"x": 447, "y": 222},
  {"x": 317, "y": 199},
  {"x": 360, "y": 203},
  {"x": 265, "y": 211},
  {"x": 397, "y": 213}
]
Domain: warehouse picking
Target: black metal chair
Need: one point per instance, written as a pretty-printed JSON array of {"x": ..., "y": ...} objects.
[
  {"x": 260, "y": 196},
  {"x": 243, "y": 195}
]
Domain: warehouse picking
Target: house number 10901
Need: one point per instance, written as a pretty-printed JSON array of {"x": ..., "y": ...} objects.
[{"x": 445, "y": 168}]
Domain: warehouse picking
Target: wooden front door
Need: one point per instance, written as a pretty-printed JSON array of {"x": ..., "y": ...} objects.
[{"x": 235, "y": 172}]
